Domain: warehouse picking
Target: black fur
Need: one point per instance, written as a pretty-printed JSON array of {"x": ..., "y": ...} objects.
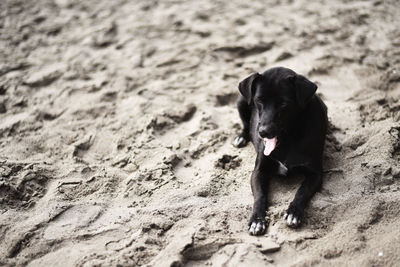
[{"x": 281, "y": 103}]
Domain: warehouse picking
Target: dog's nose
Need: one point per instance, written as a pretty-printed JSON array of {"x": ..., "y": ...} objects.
[{"x": 267, "y": 131}]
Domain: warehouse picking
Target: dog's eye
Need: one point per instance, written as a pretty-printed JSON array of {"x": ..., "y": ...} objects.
[
  {"x": 284, "y": 104},
  {"x": 258, "y": 101}
]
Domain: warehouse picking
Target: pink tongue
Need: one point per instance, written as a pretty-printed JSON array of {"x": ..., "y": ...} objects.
[{"x": 269, "y": 145}]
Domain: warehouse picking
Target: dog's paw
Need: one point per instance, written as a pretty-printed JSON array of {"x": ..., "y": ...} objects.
[
  {"x": 257, "y": 226},
  {"x": 293, "y": 217},
  {"x": 240, "y": 141}
]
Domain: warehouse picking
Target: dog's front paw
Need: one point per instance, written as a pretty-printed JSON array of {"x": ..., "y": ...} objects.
[
  {"x": 293, "y": 216},
  {"x": 257, "y": 226},
  {"x": 240, "y": 141}
]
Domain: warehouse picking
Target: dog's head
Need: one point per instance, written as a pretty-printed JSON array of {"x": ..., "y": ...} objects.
[{"x": 279, "y": 95}]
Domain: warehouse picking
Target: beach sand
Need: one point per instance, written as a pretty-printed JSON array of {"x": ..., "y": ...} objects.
[{"x": 117, "y": 120}]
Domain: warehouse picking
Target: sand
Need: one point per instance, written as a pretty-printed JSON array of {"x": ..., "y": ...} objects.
[{"x": 117, "y": 120}]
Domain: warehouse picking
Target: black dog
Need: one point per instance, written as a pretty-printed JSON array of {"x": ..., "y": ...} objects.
[{"x": 287, "y": 123}]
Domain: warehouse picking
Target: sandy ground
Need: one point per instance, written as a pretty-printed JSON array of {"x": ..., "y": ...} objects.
[{"x": 117, "y": 118}]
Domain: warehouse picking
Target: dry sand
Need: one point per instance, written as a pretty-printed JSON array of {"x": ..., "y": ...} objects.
[{"x": 117, "y": 118}]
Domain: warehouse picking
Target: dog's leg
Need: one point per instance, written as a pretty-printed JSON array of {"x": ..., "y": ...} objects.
[
  {"x": 245, "y": 115},
  {"x": 308, "y": 188},
  {"x": 259, "y": 182}
]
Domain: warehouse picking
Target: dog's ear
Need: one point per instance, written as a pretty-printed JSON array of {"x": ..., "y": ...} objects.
[
  {"x": 305, "y": 89},
  {"x": 247, "y": 86}
]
